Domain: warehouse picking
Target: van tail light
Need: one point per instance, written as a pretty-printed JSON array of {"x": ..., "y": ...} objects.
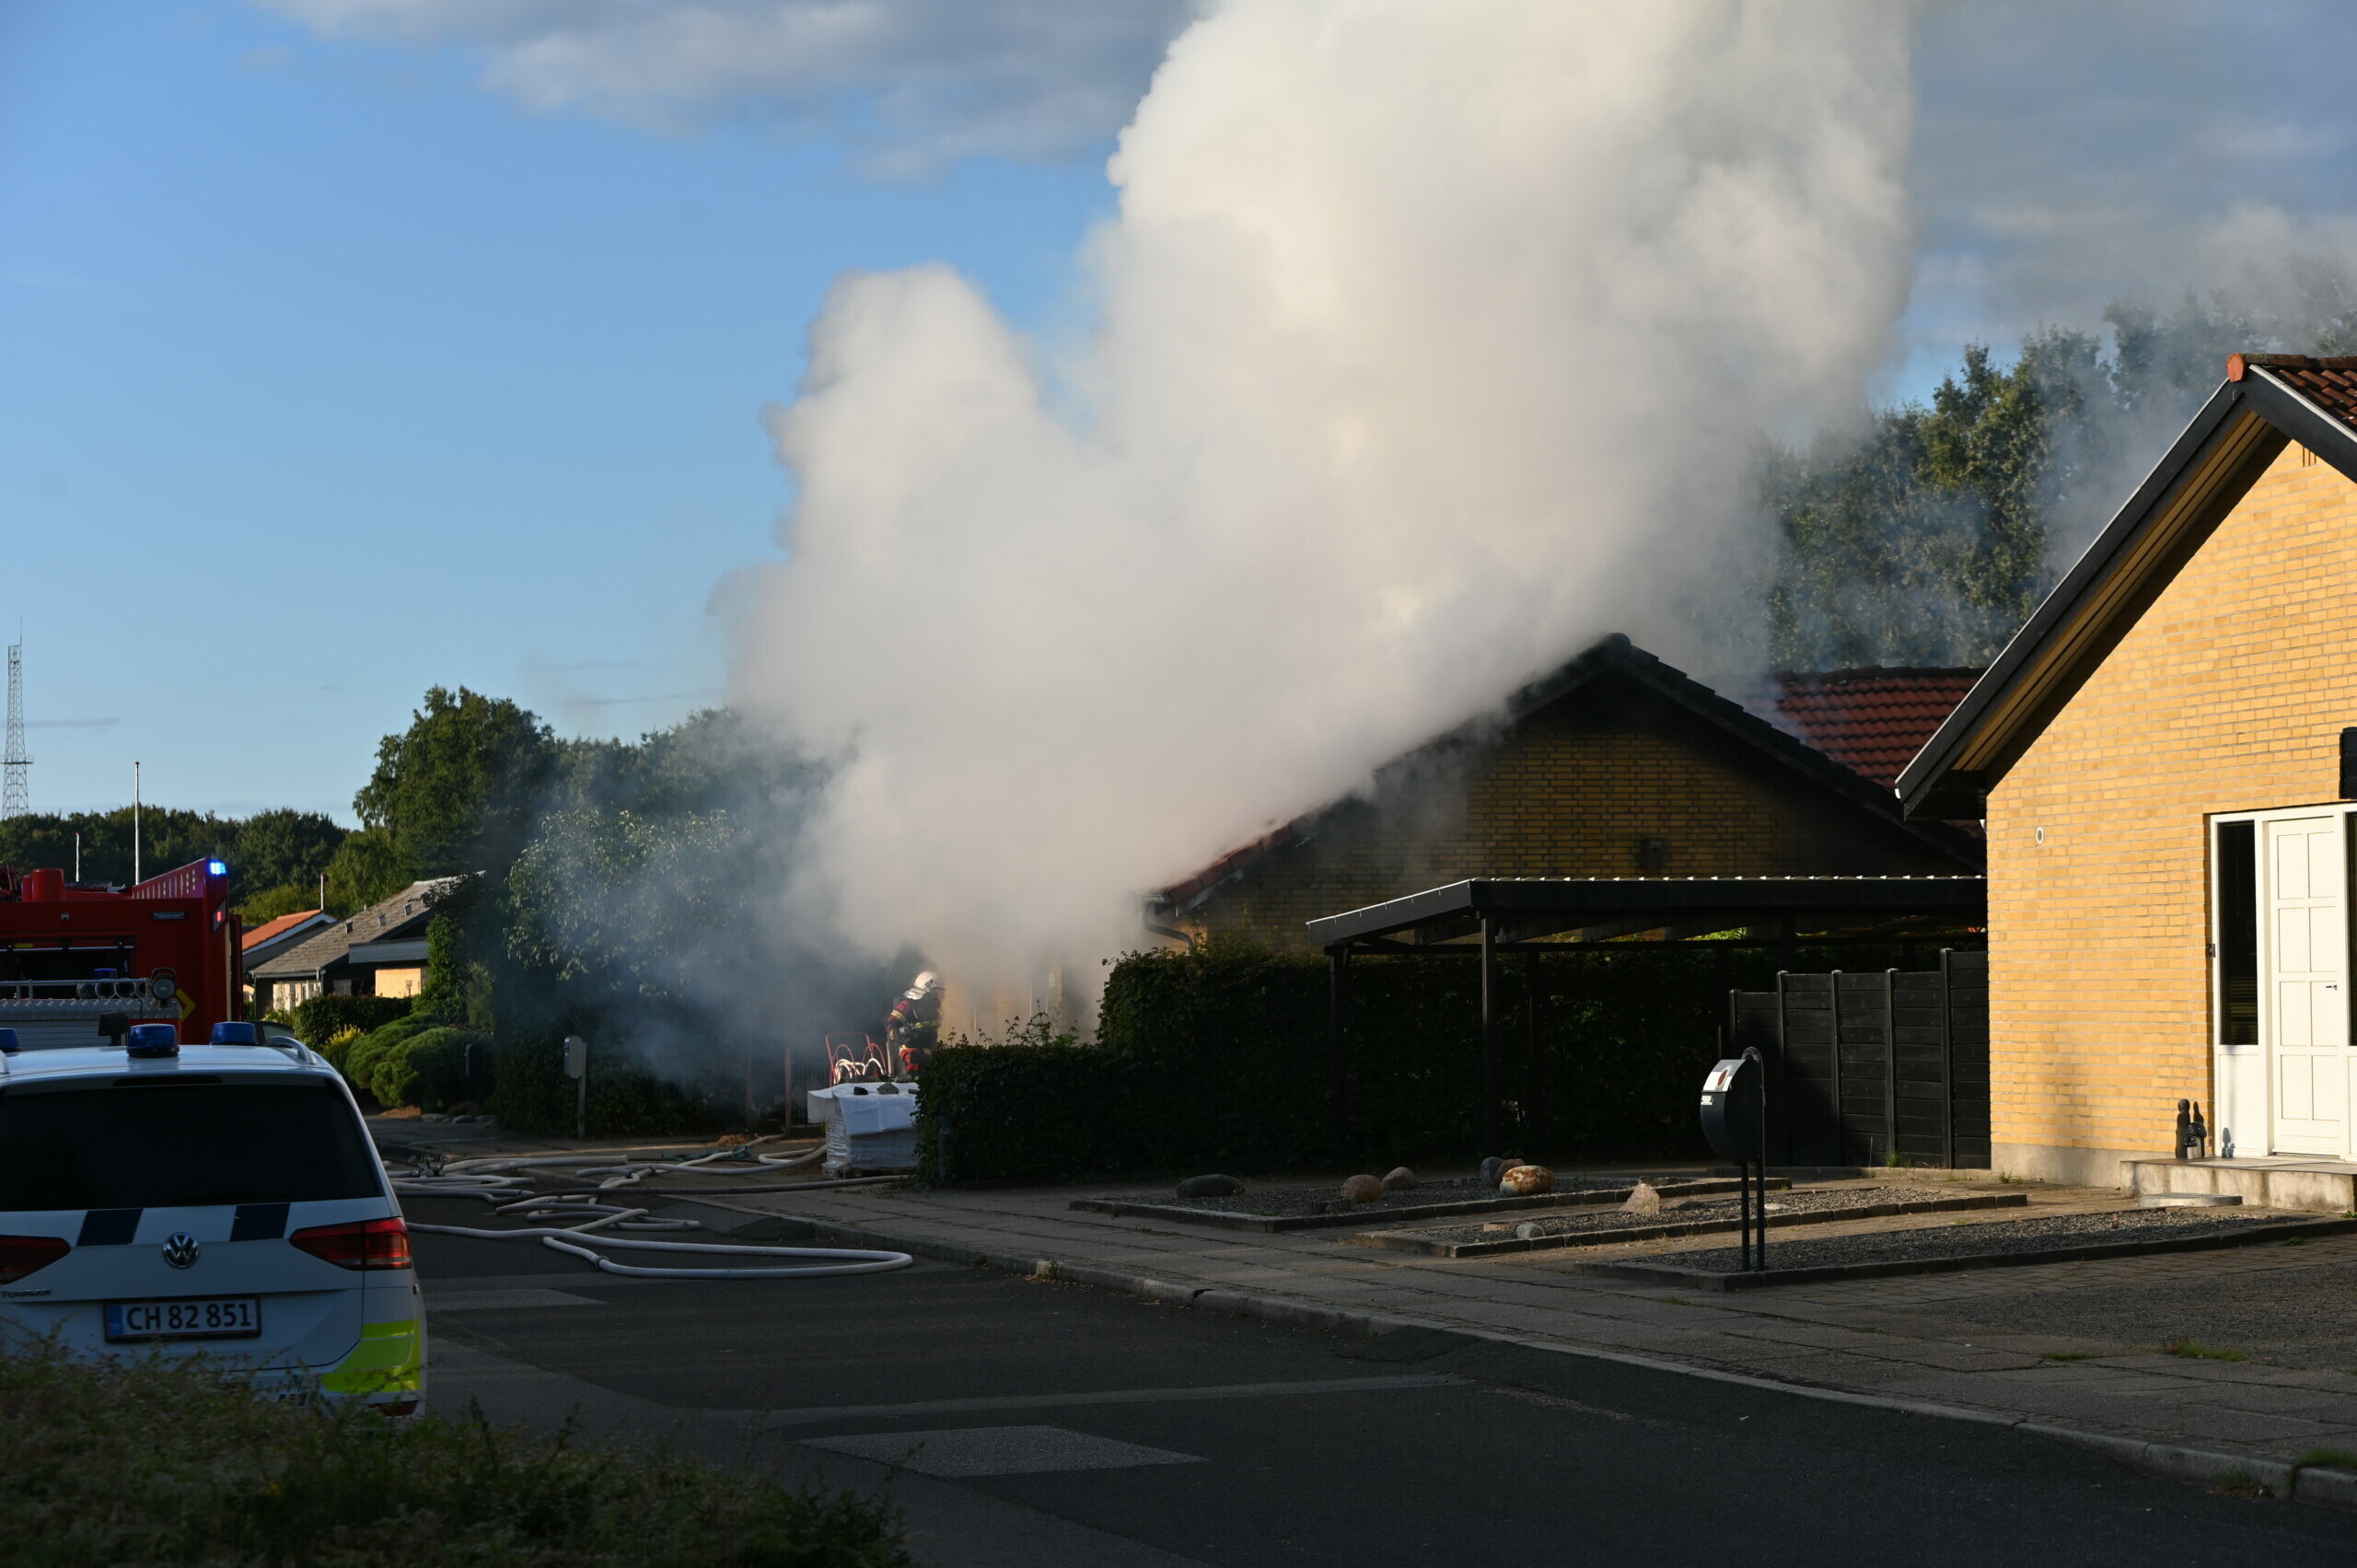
[
  {"x": 363, "y": 1244},
  {"x": 20, "y": 1255}
]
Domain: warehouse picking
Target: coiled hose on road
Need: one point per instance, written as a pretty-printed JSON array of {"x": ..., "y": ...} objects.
[{"x": 493, "y": 1181}]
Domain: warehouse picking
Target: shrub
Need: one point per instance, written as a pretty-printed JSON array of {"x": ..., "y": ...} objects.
[
  {"x": 1219, "y": 1059},
  {"x": 324, "y": 1018},
  {"x": 427, "y": 1070},
  {"x": 166, "y": 1461},
  {"x": 531, "y": 1093},
  {"x": 358, "y": 1059}
]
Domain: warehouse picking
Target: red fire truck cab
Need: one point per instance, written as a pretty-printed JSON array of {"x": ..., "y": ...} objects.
[{"x": 165, "y": 951}]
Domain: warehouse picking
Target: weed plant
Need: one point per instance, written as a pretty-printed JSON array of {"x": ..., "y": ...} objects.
[{"x": 173, "y": 1462}]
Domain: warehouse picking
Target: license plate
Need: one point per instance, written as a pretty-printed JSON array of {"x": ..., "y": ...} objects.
[{"x": 212, "y": 1317}]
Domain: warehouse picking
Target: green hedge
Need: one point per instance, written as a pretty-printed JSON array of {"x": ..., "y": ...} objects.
[
  {"x": 356, "y": 1060},
  {"x": 1218, "y": 1060},
  {"x": 530, "y": 1093},
  {"x": 323, "y": 1018}
]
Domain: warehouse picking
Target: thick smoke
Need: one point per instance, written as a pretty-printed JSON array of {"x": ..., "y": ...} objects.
[{"x": 1435, "y": 340}]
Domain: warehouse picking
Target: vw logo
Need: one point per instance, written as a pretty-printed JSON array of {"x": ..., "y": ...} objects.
[{"x": 181, "y": 1250}]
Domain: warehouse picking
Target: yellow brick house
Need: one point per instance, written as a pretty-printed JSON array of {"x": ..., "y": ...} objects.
[
  {"x": 1616, "y": 764},
  {"x": 2165, "y": 761}
]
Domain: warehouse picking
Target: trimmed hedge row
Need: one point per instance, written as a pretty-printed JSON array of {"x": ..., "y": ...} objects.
[
  {"x": 531, "y": 1093},
  {"x": 1218, "y": 1060}
]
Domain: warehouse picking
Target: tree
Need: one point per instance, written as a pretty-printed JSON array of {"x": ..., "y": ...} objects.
[
  {"x": 368, "y": 867},
  {"x": 1932, "y": 538},
  {"x": 459, "y": 789}
]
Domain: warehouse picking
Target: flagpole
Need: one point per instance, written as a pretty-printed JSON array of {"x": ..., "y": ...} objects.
[{"x": 135, "y": 824}]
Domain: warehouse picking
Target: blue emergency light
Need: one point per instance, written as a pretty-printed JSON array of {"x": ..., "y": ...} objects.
[
  {"x": 8, "y": 1045},
  {"x": 235, "y": 1034},
  {"x": 217, "y": 868},
  {"x": 153, "y": 1039}
]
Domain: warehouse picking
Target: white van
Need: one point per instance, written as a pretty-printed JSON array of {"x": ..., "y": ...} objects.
[{"x": 222, "y": 1200}]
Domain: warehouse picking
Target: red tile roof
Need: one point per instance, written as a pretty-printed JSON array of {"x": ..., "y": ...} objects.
[
  {"x": 271, "y": 928},
  {"x": 1872, "y": 720},
  {"x": 2330, "y": 384}
]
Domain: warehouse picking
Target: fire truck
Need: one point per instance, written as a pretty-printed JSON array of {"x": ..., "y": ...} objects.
[{"x": 165, "y": 951}]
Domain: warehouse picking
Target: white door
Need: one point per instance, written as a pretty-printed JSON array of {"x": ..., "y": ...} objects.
[{"x": 2305, "y": 1006}]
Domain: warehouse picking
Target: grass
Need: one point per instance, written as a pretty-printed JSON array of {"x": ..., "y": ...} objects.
[
  {"x": 2294, "y": 1241},
  {"x": 2194, "y": 1350},
  {"x": 169, "y": 1462},
  {"x": 2326, "y": 1459}
]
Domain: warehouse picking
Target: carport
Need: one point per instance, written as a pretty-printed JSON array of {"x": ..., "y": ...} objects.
[{"x": 1483, "y": 920}]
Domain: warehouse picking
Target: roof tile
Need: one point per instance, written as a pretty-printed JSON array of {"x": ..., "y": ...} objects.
[{"x": 1871, "y": 720}]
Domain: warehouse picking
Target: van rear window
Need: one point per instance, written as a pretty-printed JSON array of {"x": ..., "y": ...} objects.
[{"x": 182, "y": 1145}]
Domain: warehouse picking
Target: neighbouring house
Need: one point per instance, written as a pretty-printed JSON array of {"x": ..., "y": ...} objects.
[
  {"x": 2165, "y": 759},
  {"x": 379, "y": 952},
  {"x": 266, "y": 941},
  {"x": 1615, "y": 765}
]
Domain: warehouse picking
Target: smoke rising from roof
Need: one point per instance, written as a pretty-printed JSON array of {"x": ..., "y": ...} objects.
[{"x": 1433, "y": 342}]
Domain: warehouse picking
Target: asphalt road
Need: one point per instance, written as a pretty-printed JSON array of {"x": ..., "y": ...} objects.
[{"x": 1047, "y": 1425}]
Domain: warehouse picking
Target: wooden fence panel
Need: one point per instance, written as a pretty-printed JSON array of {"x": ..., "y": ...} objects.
[{"x": 1864, "y": 1065}]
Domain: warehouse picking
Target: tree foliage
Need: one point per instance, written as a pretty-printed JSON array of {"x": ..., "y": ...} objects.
[
  {"x": 458, "y": 790},
  {"x": 274, "y": 858},
  {"x": 1932, "y": 539}
]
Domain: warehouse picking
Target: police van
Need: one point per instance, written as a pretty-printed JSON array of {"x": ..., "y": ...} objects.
[{"x": 220, "y": 1200}]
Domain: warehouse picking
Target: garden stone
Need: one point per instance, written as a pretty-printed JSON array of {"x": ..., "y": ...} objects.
[
  {"x": 1491, "y": 1168},
  {"x": 1362, "y": 1188},
  {"x": 1399, "y": 1178},
  {"x": 1527, "y": 1231},
  {"x": 1644, "y": 1199},
  {"x": 1210, "y": 1187},
  {"x": 1528, "y": 1180}
]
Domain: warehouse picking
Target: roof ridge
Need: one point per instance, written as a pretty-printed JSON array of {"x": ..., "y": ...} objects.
[{"x": 2238, "y": 365}]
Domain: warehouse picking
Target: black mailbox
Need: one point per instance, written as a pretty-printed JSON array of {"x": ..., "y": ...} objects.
[{"x": 1731, "y": 1110}]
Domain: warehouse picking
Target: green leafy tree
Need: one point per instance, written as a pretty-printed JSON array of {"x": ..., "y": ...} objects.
[
  {"x": 1932, "y": 538},
  {"x": 458, "y": 790},
  {"x": 368, "y": 867}
]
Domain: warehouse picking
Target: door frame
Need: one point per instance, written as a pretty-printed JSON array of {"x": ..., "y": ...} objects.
[{"x": 2344, "y": 815}]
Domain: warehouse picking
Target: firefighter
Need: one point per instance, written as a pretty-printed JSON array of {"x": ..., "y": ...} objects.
[{"x": 913, "y": 1031}]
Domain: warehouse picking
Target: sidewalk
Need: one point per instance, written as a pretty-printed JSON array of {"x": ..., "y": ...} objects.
[{"x": 2068, "y": 1346}]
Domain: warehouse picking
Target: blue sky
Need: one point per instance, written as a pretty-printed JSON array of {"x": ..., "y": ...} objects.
[
  {"x": 328, "y": 376},
  {"x": 341, "y": 354}
]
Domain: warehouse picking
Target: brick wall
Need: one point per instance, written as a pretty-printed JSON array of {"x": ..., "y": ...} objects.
[
  {"x": 1572, "y": 790},
  {"x": 2228, "y": 695}
]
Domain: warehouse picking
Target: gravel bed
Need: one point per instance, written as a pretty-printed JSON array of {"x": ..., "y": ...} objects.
[
  {"x": 1286, "y": 1203},
  {"x": 2050, "y": 1231},
  {"x": 1688, "y": 1210}
]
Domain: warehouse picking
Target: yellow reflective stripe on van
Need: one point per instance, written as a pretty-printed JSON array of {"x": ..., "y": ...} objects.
[{"x": 386, "y": 1361}]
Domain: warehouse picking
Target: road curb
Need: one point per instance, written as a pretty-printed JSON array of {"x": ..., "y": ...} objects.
[{"x": 2199, "y": 1467}]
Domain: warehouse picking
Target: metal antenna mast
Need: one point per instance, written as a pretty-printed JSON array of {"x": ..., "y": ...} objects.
[{"x": 14, "y": 797}]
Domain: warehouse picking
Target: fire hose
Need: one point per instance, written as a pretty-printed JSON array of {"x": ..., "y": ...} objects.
[{"x": 494, "y": 1182}]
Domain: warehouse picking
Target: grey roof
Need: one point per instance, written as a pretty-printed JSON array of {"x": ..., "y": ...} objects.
[
  {"x": 286, "y": 941},
  {"x": 404, "y": 915}
]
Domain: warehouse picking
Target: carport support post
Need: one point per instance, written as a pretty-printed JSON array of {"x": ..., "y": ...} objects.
[
  {"x": 1491, "y": 1131},
  {"x": 1338, "y": 997},
  {"x": 1534, "y": 1069}
]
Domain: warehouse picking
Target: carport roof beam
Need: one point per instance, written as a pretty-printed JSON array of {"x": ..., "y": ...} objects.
[{"x": 1526, "y": 908}]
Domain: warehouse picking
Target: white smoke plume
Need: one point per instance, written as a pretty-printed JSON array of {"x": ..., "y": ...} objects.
[{"x": 1436, "y": 341}]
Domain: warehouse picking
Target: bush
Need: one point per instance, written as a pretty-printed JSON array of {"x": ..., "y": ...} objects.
[
  {"x": 358, "y": 1059},
  {"x": 531, "y": 1093},
  {"x": 1219, "y": 1059},
  {"x": 427, "y": 1070},
  {"x": 166, "y": 1461},
  {"x": 324, "y": 1018}
]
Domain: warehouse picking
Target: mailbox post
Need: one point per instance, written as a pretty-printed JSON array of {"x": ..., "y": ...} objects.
[
  {"x": 577, "y": 1067},
  {"x": 1734, "y": 1118}
]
